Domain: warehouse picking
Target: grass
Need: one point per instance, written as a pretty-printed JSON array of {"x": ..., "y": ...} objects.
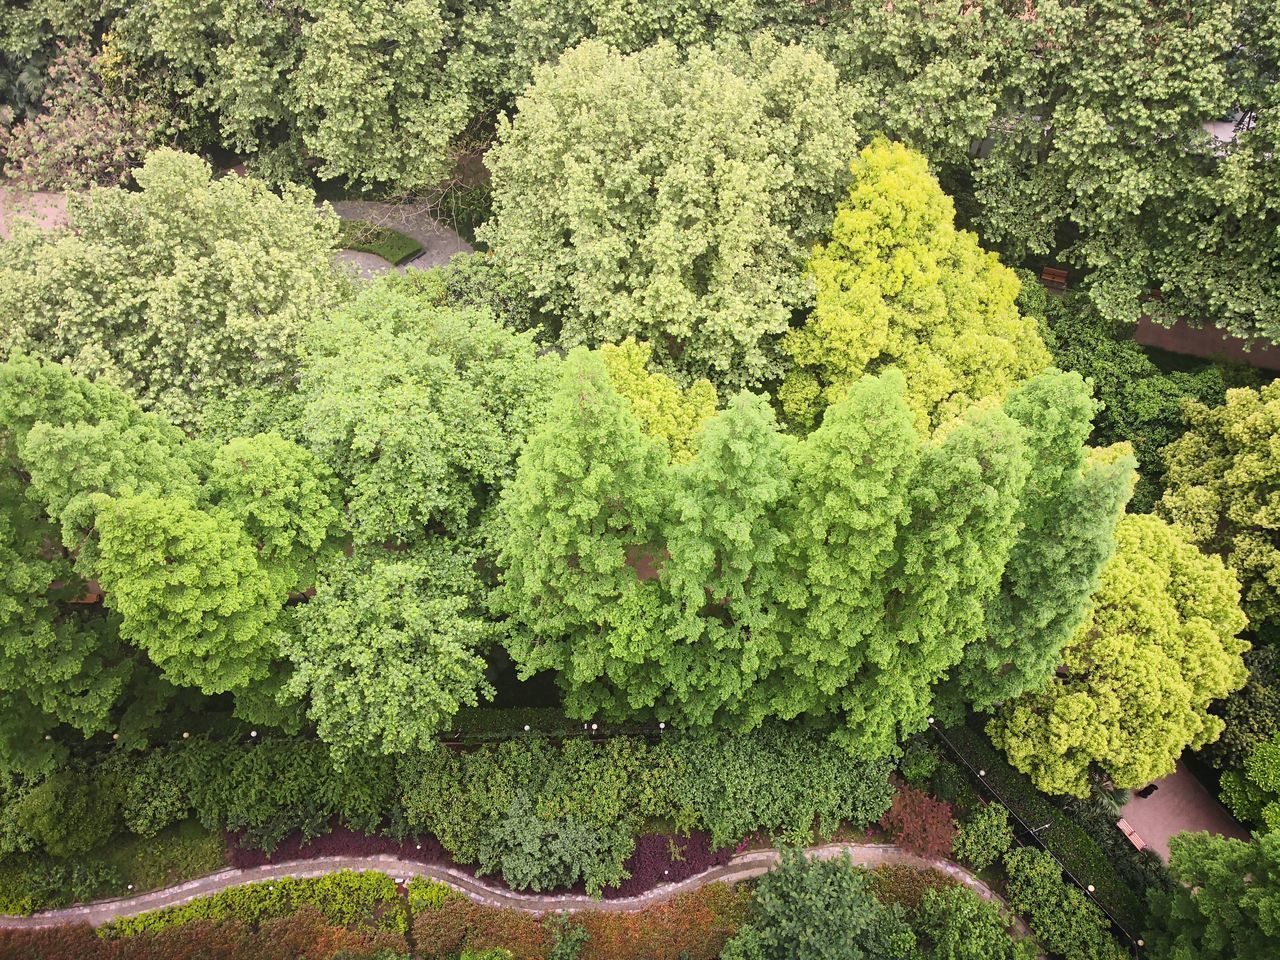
[
  {"x": 181, "y": 852},
  {"x": 390, "y": 245}
]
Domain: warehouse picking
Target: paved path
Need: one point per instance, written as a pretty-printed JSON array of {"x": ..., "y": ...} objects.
[
  {"x": 414, "y": 219},
  {"x": 743, "y": 866},
  {"x": 1181, "y": 804}
]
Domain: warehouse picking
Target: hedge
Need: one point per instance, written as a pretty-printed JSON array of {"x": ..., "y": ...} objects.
[
  {"x": 1065, "y": 839},
  {"x": 390, "y": 245}
]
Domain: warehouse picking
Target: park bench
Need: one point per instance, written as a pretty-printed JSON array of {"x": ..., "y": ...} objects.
[
  {"x": 1054, "y": 279},
  {"x": 1131, "y": 835}
]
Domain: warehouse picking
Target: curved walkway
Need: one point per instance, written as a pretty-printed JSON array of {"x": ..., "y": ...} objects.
[{"x": 743, "y": 866}]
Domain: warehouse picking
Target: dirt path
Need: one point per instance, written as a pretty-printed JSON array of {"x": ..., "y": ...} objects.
[
  {"x": 742, "y": 867},
  {"x": 413, "y": 219}
]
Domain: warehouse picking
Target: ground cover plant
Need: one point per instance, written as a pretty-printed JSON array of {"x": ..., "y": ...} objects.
[{"x": 390, "y": 245}]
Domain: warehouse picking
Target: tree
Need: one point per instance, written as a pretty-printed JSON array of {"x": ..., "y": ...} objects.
[
  {"x": 419, "y": 410},
  {"x": 187, "y": 290},
  {"x": 678, "y": 205},
  {"x": 898, "y": 285},
  {"x": 1223, "y": 476},
  {"x": 388, "y": 648},
  {"x": 1224, "y": 901},
  {"x": 669, "y": 413},
  {"x": 959, "y": 924},
  {"x": 1252, "y": 716},
  {"x": 1253, "y": 793},
  {"x": 1136, "y": 683},
  {"x": 88, "y": 132},
  {"x": 1062, "y": 919},
  {"x": 1066, "y": 520},
  {"x": 811, "y": 909},
  {"x": 361, "y": 88}
]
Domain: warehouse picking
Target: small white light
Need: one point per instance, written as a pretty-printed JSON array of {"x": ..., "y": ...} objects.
[
  {"x": 665, "y": 872},
  {"x": 662, "y": 726},
  {"x": 593, "y": 726},
  {"x": 982, "y": 773},
  {"x": 1089, "y": 888},
  {"x": 185, "y": 735},
  {"x": 399, "y": 879},
  {"x": 526, "y": 728},
  {"x": 131, "y": 886},
  {"x": 47, "y": 737},
  {"x": 418, "y": 847},
  {"x": 115, "y": 736},
  {"x": 931, "y": 719},
  {"x": 1141, "y": 942},
  {"x": 253, "y": 733},
  {"x": 584, "y": 726}
]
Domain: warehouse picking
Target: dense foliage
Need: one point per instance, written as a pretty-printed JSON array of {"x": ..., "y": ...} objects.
[
  {"x": 1136, "y": 683},
  {"x": 709, "y": 590}
]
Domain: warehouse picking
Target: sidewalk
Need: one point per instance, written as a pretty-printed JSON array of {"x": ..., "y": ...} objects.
[{"x": 1180, "y": 805}]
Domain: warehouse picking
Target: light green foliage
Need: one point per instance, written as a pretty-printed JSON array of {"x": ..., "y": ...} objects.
[
  {"x": 678, "y": 203},
  {"x": 185, "y": 290},
  {"x": 419, "y": 410},
  {"x": 810, "y": 909},
  {"x": 669, "y": 413},
  {"x": 1066, "y": 522},
  {"x": 1253, "y": 793},
  {"x": 984, "y": 837},
  {"x": 357, "y": 84},
  {"x": 388, "y": 648},
  {"x": 1224, "y": 903},
  {"x": 1062, "y": 919},
  {"x": 840, "y": 576},
  {"x": 368, "y": 901},
  {"x": 1136, "y": 682},
  {"x": 189, "y": 590},
  {"x": 899, "y": 286},
  {"x": 1223, "y": 477},
  {"x": 959, "y": 925}
]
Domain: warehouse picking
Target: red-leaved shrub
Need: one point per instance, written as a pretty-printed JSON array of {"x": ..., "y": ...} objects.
[
  {"x": 458, "y": 924},
  {"x": 919, "y": 823},
  {"x": 666, "y": 858}
]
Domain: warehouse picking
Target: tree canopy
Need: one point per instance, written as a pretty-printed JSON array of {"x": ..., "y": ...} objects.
[
  {"x": 187, "y": 290},
  {"x": 898, "y": 285},
  {"x": 1137, "y": 679},
  {"x": 678, "y": 205}
]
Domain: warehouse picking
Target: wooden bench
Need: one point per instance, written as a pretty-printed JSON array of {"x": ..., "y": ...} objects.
[
  {"x": 1131, "y": 834},
  {"x": 1054, "y": 279}
]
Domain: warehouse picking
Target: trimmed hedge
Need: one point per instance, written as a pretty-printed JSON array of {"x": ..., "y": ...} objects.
[
  {"x": 358, "y": 901},
  {"x": 391, "y": 245}
]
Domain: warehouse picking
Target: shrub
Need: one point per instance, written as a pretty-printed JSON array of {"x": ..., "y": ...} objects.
[
  {"x": 427, "y": 894},
  {"x": 362, "y": 901},
  {"x": 390, "y": 245},
  {"x": 460, "y": 924},
  {"x": 67, "y": 814},
  {"x": 985, "y": 837},
  {"x": 905, "y": 885},
  {"x": 918, "y": 764},
  {"x": 567, "y": 938},
  {"x": 919, "y": 823}
]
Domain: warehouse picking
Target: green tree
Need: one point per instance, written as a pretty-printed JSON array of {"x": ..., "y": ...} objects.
[
  {"x": 359, "y": 87},
  {"x": 1066, "y": 520},
  {"x": 678, "y": 205},
  {"x": 1223, "y": 477},
  {"x": 1135, "y": 686},
  {"x": 958, "y": 924},
  {"x": 67, "y": 814},
  {"x": 899, "y": 286},
  {"x": 1224, "y": 902},
  {"x": 388, "y": 648},
  {"x": 1063, "y": 920},
  {"x": 669, "y": 413},
  {"x": 1253, "y": 792},
  {"x": 1252, "y": 716},
  {"x": 186, "y": 290},
  {"x": 419, "y": 410},
  {"x": 811, "y": 909}
]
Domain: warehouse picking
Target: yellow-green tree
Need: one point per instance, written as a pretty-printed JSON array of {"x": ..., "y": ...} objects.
[
  {"x": 1224, "y": 480},
  {"x": 899, "y": 286},
  {"x": 1137, "y": 680},
  {"x": 667, "y": 412}
]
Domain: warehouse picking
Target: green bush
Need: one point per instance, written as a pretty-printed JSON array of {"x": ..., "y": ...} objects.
[
  {"x": 390, "y": 245},
  {"x": 427, "y": 894},
  {"x": 363, "y": 901},
  {"x": 985, "y": 837},
  {"x": 67, "y": 814},
  {"x": 960, "y": 925},
  {"x": 919, "y": 763}
]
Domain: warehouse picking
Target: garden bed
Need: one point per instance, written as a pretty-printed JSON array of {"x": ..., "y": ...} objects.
[{"x": 391, "y": 245}]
